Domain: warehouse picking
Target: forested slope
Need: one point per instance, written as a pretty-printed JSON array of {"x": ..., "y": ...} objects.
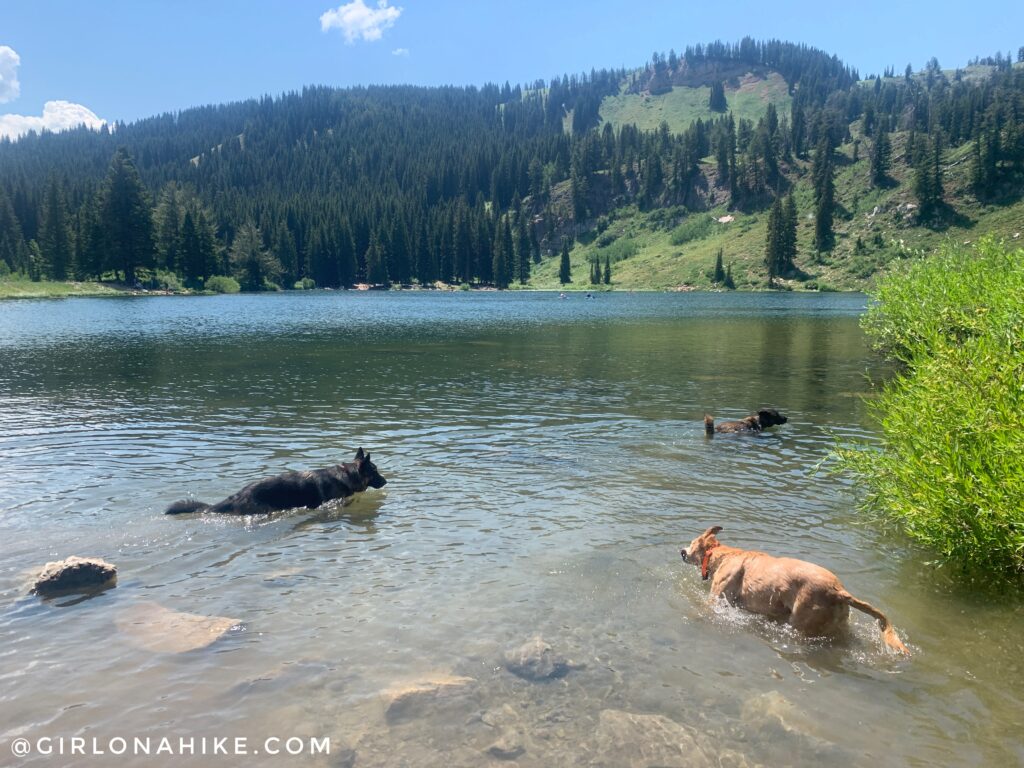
[{"x": 488, "y": 185}]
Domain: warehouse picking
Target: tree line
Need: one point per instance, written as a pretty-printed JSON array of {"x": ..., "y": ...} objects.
[{"x": 399, "y": 184}]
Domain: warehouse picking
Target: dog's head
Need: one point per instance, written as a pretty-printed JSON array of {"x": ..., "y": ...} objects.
[
  {"x": 368, "y": 471},
  {"x": 694, "y": 554},
  {"x": 769, "y": 417}
]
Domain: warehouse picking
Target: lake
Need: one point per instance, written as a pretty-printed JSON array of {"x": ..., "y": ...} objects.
[{"x": 545, "y": 460}]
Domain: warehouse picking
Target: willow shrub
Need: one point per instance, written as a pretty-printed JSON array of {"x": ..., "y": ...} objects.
[{"x": 950, "y": 472}]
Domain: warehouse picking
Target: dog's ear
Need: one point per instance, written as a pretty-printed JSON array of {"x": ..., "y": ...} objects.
[
  {"x": 359, "y": 455},
  {"x": 713, "y": 530},
  {"x": 365, "y": 459}
]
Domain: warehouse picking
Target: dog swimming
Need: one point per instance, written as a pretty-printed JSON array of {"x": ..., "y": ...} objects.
[
  {"x": 806, "y": 596},
  {"x": 290, "y": 490},
  {"x": 758, "y": 422}
]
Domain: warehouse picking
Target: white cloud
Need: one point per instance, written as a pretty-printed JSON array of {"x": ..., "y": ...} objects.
[
  {"x": 57, "y": 116},
  {"x": 10, "y": 88},
  {"x": 400, "y": 52},
  {"x": 358, "y": 20}
]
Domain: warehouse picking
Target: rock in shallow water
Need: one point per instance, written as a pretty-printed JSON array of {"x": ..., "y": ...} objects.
[
  {"x": 536, "y": 660},
  {"x": 421, "y": 696},
  {"x": 629, "y": 740},
  {"x": 74, "y": 574},
  {"x": 161, "y": 630}
]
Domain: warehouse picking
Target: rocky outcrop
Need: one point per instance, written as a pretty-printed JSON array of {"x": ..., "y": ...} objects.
[
  {"x": 161, "y": 630},
  {"x": 537, "y": 661},
  {"x": 75, "y": 574}
]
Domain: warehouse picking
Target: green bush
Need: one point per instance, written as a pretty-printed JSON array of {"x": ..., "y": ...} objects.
[
  {"x": 950, "y": 472},
  {"x": 222, "y": 284},
  {"x": 692, "y": 228},
  {"x": 618, "y": 250},
  {"x": 305, "y": 284},
  {"x": 165, "y": 281}
]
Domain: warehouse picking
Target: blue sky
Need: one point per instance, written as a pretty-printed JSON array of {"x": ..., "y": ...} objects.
[{"x": 123, "y": 59}]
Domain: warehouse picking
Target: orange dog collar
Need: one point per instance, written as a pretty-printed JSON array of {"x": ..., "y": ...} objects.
[{"x": 707, "y": 560}]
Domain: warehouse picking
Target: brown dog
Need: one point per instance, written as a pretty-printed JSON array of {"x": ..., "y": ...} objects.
[
  {"x": 763, "y": 419},
  {"x": 804, "y": 595}
]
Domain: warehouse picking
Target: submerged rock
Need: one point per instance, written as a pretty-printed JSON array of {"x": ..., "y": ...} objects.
[
  {"x": 507, "y": 747},
  {"x": 536, "y": 660},
  {"x": 421, "y": 696},
  {"x": 74, "y": 574},
  {"x": 161, "y": 630},
  {"x": 629, "y": 740},
  {"x": 782, "y": 728}
]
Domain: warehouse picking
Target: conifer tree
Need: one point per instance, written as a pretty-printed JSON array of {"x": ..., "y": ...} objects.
[
  {"x": 12, "y": 242},
  {"x": 881, "y": 153},
  {"x": 565, "y": 266},
  {"x": 55, "y": 241},
  {"x": 502, "y": 253},
  {"x": 190, "y": 251},
  {"x": 773, "y": 247},
  {"x": 168, "y": 224},
  {"x": 719, "y": 275},
  {"x": 523, "y": 250},
  {"x": 824, "y": 196},
  {"x": 376, "y": 262},
  {"x": 124, "y": 213},
  {"x": 607, "y": 270},
  {"x": 728, "y": 278},
  {"x": 928, "y": 179},
  {"x": 717, "y": 102},
  {"x": 254, "y": 266},
  {"x": 789, "y": 242}
]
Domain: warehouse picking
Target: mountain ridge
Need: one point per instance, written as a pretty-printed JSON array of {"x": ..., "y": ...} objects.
[{"x": 395, "y": 184}]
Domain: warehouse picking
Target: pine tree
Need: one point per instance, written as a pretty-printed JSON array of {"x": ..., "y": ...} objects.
[
  {"x": 824, "y": 196},
  {"x": 928, "y": 179},
  {"x": 12, "y": 241},
  {"x": 208, "y": 246},
  {"x": 376, "y": 262},
  {"x": 190, "y": 251},
  {"x": 125, "y": 215},
  {"x": 254, "y": 266},
  {"x": 789, "y": 242},
  {"x": 607, "y": 270},
  {"x": 728, "y": 278},
  {"x": 773, "y": 247},
  {"x": 168, "y": 224},
  {"x": 523, "y": 250},
  {"x": 881, "y": 154},
  {"x": 92, "y": 242},
  {"x": 502, "y": 253},
  {"x": 565, "y": 267},
  {"x": 55, "y": 241},
  {"x": 717, "y": 102},
  {"x": 719, "y": 276}
]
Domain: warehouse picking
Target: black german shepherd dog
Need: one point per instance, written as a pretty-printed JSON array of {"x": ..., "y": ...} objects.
[{"x": 294, "y": 489}]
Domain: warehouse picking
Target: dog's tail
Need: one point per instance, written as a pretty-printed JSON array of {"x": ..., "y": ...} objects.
[
  {"x": 888, "y": 633},
  {"x": 709, "y": 424},
  {"x": 185, "y": 506}
]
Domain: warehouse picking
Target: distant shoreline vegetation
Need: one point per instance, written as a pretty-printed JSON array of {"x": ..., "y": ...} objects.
[{"x": 20, "y": 287}]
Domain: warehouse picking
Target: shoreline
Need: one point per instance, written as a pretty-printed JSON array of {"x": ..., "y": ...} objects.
[{"x": 19, "y": 289}]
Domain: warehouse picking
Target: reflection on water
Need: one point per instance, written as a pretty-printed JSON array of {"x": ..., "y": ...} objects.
[{"x": 545, "y": 459}]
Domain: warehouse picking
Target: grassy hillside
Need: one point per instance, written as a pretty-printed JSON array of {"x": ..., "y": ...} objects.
[
  {"x": 748, "y": 97},
  {"x": 875, "y": 229}
]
